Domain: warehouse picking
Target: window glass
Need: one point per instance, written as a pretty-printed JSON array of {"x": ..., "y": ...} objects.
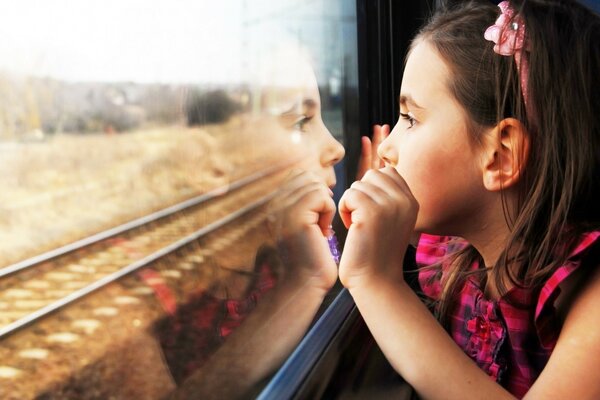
[{"x": 151, "y": 156}]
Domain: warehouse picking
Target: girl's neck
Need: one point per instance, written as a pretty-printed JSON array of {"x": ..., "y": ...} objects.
[
  {"x": 489, "y": 237},
  {"x": 489, "y": 246}
]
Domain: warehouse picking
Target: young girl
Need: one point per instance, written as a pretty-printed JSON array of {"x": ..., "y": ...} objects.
[{"x": 498, "y": 145}]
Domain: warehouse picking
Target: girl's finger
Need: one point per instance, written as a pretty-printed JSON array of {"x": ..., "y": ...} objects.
[
  {"x": 393, "y": 175},
  {"x": 365, "y": 161},
  {"x": 379, "y": 134},
  {"x": 375, "y": 160},
  {"x": 388, "y": 179},
  {"x": 387, "y": 188},
  {"x": 320, "y": 206},
  {"x": 294, "y": 196},
  {"x": 351, "y": 200},
  {"x": 327, "y": 211},
  {"x": 292, "y": 190},
  {"x": 374, "y": 191}
]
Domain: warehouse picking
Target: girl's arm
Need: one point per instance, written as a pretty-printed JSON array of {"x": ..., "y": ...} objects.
[
  {"x": 573, "y": 370},
  {"x": 381, "y": 212},
  {"x": 258, "y": 346},
  {"x": 417, "y": 346},
  {"x": 304, "y": 213}
]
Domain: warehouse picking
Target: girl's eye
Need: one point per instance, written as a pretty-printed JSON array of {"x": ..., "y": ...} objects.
[
  {"x": 411, "y": 120},
  {"x": 301, "y": 122}
]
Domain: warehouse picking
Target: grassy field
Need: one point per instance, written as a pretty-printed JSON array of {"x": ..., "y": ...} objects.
[{"x": 70, "y": 186}]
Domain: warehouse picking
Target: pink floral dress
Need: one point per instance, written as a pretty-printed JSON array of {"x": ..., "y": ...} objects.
[{"x": 511, "y": 343}]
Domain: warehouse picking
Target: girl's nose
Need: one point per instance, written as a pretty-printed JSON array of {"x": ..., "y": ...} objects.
[
  {"x": 387, "y": 152},
  {"x": 332, "y": 153}
]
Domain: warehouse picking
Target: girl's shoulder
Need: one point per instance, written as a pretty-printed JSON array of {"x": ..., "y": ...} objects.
[
  {"x": 583, "y": 256},
  {"x": 432, "y": 259}
]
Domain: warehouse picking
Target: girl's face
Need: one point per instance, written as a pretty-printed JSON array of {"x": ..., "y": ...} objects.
[{"x": 430, "y": 147}]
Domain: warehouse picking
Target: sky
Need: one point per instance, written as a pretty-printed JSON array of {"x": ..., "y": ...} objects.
[
  {"x": 123, "y": 40},
  {"x": 159, "y": 41}
]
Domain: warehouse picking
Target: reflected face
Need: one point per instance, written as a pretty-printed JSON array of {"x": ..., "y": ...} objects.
[
  {"x": 309, "y": 134},
  {"x": 290, "y": 94},
  {"x": 430, "y": 147}
]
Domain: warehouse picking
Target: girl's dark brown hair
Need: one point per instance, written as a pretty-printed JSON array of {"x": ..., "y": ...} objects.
[{"x": 558, "y": 193}]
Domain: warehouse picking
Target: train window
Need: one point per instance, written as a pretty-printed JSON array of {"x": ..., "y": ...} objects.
[{"x": 150, "y": 155}]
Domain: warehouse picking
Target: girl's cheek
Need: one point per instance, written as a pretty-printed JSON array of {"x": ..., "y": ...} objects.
[
  {"x": 407, "y": 163},
  {"x": 422, "y": 173}
]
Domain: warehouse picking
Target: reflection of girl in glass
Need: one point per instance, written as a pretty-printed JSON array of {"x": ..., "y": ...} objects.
[{"x": 220, "y": 347}]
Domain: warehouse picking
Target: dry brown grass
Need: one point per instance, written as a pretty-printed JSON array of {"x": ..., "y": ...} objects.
[{"x": 71, "y": 186}]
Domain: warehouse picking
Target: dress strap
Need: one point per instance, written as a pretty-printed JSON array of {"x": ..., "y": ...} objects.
[
  {"x": 545, "y": 312},
  {"x": 549, "y": 290}
]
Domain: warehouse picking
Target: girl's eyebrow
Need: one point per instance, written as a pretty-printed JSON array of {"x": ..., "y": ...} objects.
[
  {"x": 307, "y": 106},
  {"x": 293, "y": 110},
  {"x": 407, "y": 99}
]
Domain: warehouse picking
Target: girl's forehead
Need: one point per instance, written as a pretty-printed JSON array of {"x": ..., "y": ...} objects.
[
  {"x": 288, "y": 82},
  {"x": 425, "y": 75},
  {"x": 299, "y": 100},
  {"x": 286, "y": 67}
]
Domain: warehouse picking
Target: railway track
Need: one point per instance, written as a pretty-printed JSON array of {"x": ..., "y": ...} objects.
[{"x": 184, "y": 246}]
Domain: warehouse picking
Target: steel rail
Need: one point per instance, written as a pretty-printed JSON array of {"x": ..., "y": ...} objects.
[
  {"x": 79, "y": 244},
  {"x": 78, "y": 294}
]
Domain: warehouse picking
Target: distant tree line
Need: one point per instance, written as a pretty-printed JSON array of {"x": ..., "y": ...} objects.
[
  {"x": 40, "y": 106},
  {"x": 209, "y": 107},
  {"x": 47, "y": 106}
]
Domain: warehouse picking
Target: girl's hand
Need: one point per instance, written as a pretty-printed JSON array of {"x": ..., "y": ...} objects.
[
  {"x": 380, "y": 213},
  {"x": 368, "y": 154},
  {"x": 300, "y": 223}
]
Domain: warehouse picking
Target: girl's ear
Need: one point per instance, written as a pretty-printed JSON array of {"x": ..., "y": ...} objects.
[{"x": 505, "y": 154}]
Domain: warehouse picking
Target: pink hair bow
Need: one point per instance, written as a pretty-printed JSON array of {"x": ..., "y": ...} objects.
[{"x": 508, "y": 34}]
